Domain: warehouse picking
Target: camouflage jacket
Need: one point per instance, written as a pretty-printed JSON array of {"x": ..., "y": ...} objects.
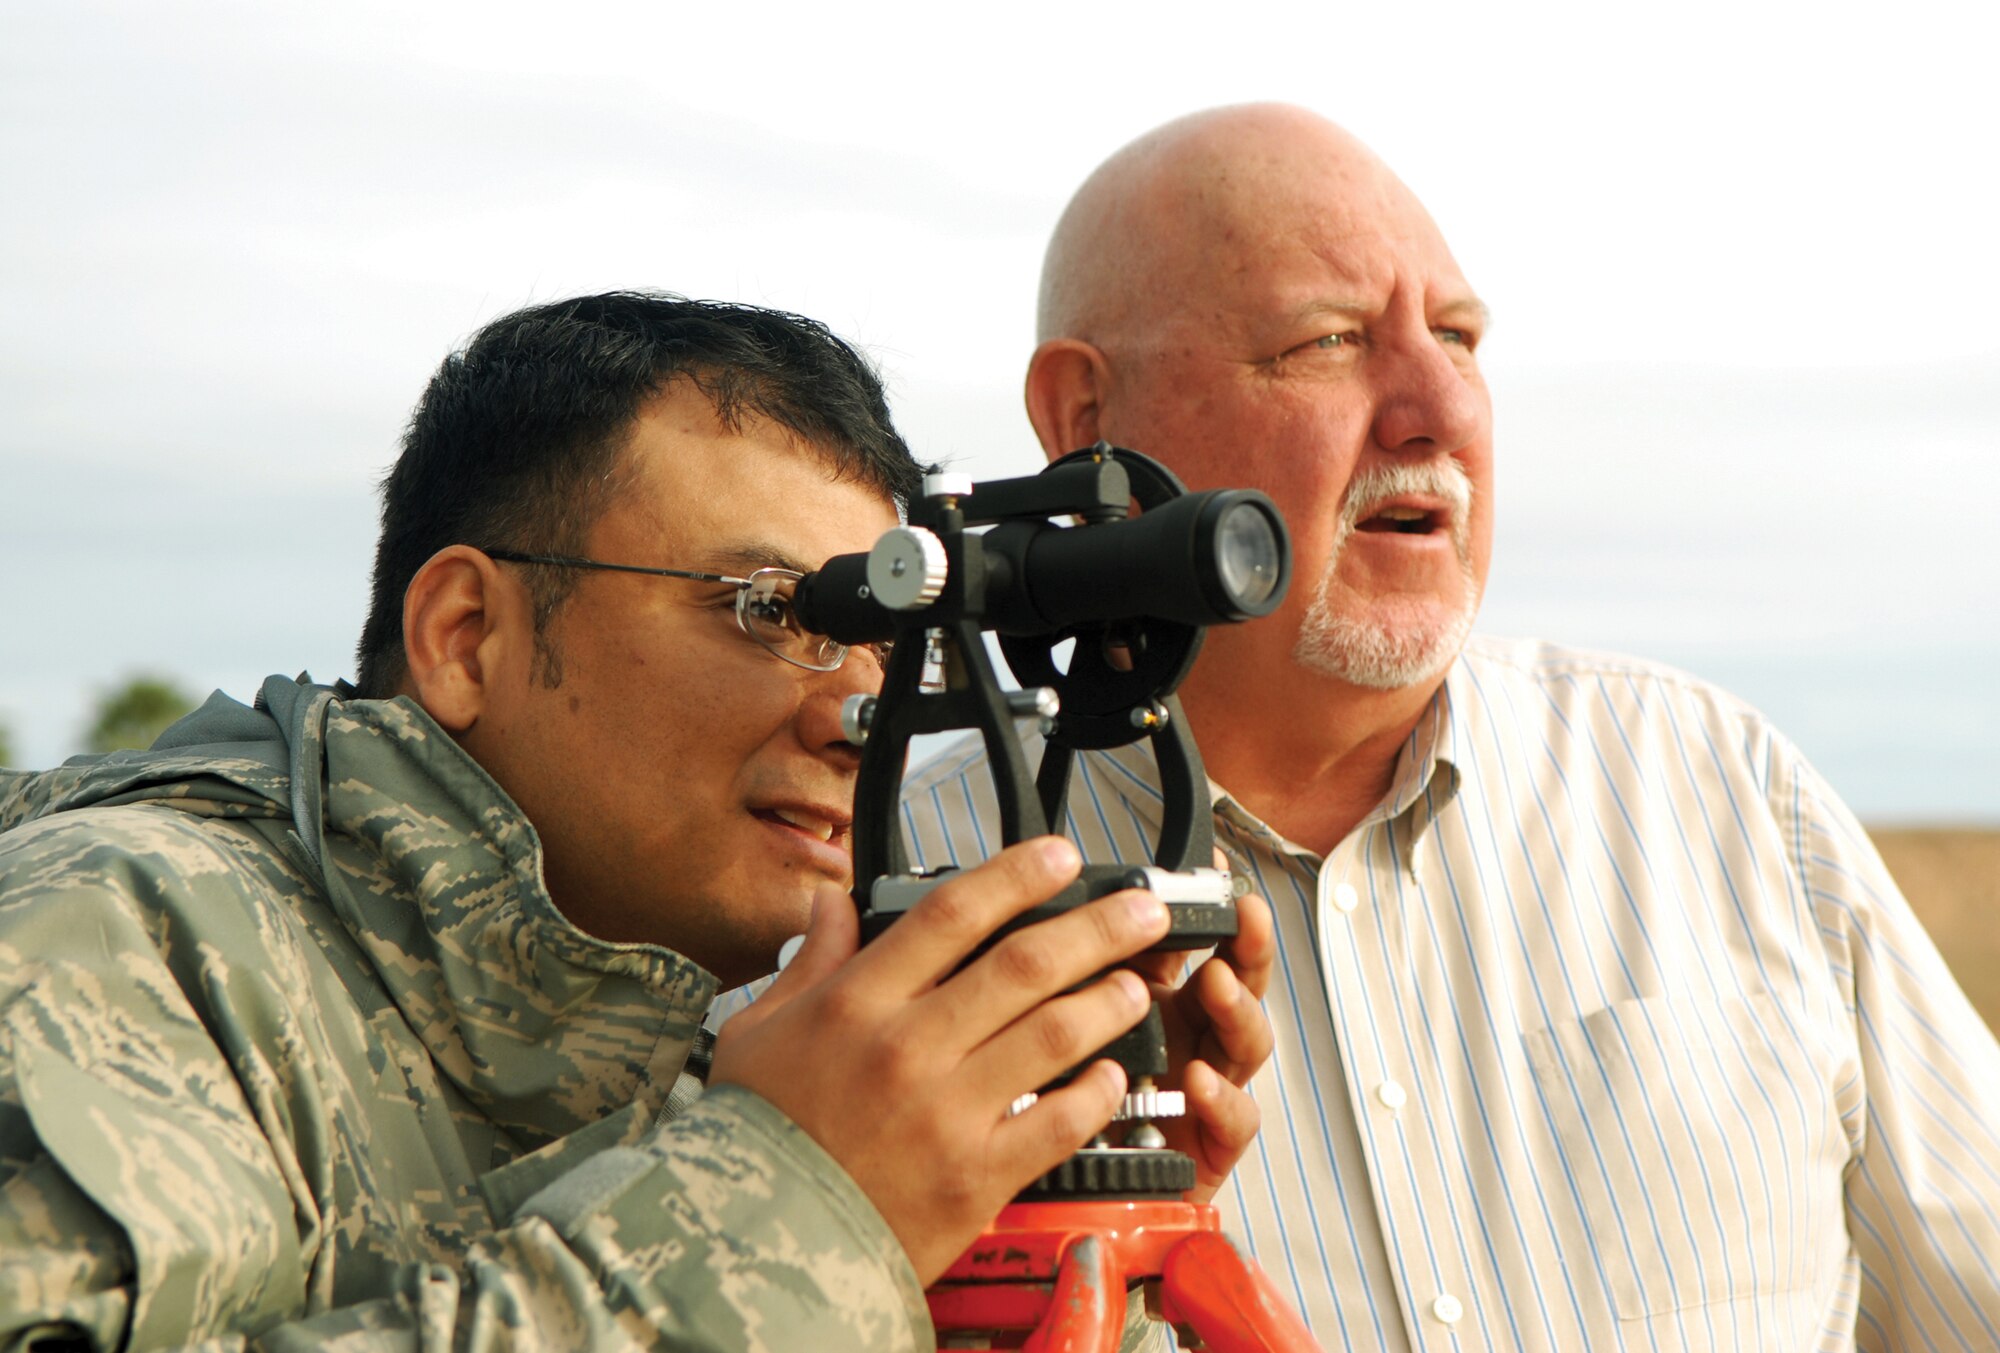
[{"x": 295, "y": 1050}]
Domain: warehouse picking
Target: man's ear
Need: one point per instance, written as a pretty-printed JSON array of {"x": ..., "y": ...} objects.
[
  {"x": 1067, "y": 382},
  {"x": 460, "y": 615}
]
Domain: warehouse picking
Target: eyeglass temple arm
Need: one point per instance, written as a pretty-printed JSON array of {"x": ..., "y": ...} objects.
[{"x": 569, "y": 561}]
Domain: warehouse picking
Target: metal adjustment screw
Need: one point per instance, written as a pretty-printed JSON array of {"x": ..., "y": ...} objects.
[
  {"x": 1039, "y": 703},
  {"x": 1151, "y": 1104},
  {"x": 1141, "y": 1105},
  {"x": 907, "y": 568},
  {"x": 947, "y": 485},
  {"x": 1149, "y": 716},
  {"x": 933, "y": 679},
  {"x": 857, "y": 713}
]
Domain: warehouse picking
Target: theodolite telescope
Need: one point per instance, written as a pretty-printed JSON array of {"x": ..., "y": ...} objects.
[{"x": 1065, "y": 565}]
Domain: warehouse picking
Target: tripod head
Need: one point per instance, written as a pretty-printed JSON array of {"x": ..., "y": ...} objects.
[{"x": 1131, "y": 595}]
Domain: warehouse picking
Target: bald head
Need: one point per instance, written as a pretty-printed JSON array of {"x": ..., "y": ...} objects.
[
  {"x": 1249, "y": 296},
  {"x": 1188, "y": 196}
]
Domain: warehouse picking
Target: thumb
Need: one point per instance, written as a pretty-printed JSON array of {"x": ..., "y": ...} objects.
[{"x": 832, "y": 935}]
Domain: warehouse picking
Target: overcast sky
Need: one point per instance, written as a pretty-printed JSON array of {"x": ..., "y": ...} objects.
[{"x": 1740, "y": 258}]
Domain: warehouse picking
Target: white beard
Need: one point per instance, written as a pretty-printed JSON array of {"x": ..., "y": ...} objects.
[{"x": 1381, "y": 652}]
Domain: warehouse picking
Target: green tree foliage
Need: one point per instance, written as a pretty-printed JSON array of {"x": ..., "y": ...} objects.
[
  {"x": 6, "y": 744},
  {"x": 133, "y": 714}
]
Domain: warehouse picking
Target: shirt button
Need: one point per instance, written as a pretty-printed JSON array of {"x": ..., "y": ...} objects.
[
  {"x": 1393, "y": 1098},
  {"x": 1345, "y": 897},
  {"x": 1448, "y": 1309}
]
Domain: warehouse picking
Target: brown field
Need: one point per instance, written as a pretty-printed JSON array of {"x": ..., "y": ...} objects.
[{"x": 1952, "y": 878}]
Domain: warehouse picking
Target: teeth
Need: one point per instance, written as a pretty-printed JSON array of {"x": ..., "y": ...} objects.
[
  {"x": 812, "y": 826},
  {"x": 1403, "y": 513}
]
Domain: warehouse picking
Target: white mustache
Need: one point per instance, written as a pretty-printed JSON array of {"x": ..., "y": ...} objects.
[{"x": 1440, "y": 477}]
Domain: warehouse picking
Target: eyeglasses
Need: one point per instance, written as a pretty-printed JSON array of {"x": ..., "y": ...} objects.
[{"x": 763, "y": 607}]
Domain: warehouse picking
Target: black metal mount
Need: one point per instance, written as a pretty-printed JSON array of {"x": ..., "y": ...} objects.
[{"x": 1115, "y": 689}]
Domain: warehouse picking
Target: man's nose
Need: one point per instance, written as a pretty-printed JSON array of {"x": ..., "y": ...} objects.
[
  {"x": 819, "y": 721},
  {"x": 1429, "y": 399}
]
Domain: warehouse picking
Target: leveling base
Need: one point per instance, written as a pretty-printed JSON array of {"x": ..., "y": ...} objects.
[{"x": 1052, "y": 1278}]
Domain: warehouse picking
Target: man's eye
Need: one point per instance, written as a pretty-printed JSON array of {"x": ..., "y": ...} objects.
[
  {"x": 1463, "y": 337},
  {"x": 1324, "y": 343}
]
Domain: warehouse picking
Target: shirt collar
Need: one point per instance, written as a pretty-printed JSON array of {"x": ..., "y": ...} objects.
[{"x": 1425, "y": 780}]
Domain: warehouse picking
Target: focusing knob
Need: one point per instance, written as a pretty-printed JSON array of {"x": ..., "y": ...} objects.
[
  {"x": 857, "y": 716},
  {"x": 1115, "y": 1172},
  {"x": 907, "y": 568}
]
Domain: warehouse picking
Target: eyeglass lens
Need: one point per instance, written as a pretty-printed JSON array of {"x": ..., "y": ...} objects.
[{"x": 765, "y": 608}]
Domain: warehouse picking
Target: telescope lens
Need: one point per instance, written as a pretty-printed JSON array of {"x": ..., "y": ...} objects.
[{"x": 1247, "y": 556}]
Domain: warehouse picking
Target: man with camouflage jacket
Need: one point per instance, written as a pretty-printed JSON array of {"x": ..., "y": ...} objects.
[{"x": 368, "y": 1021}]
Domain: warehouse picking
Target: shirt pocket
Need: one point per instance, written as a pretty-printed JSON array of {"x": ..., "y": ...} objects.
[{"x": 1700, "y": 1138}]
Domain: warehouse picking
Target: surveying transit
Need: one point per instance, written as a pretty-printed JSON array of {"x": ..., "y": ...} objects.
[{"x": 1065, "y": 564}]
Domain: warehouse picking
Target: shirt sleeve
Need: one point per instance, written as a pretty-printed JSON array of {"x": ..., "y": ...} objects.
[
  {"x": 723, "y": 1230},
  {"x": 143, "y": 1203},
  {"x": 1923, "y": 1108}
]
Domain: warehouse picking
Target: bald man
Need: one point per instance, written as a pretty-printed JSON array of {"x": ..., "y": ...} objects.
[{"x": 1600, "y": 1024}]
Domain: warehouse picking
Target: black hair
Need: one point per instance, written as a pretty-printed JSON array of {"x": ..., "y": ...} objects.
[{"x": 518, "y": 436}]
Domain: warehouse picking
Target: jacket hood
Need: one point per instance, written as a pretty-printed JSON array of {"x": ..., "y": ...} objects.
[
  {"x": 225, "y": 759},
  {"x": 435, "y": 874}
]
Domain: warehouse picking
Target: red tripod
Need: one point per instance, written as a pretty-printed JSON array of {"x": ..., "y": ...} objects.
[{"x": 1052, "y": 1277}]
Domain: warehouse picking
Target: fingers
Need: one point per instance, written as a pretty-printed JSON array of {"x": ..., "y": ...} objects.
[
  {"x": 1057, "y": 1035},
  {"x": 1060, "y": 1122},
  {"x": 832, "y": 933},
  {"x": 1040, "y": 960},
  {"x": 1226, "y": 1121},
  {"x": 921, "y": 949},
  {"x": 1165, "y": 968},
  {"x": 1238, "y": 1039},
  {"x": 1253, "y": 953}
]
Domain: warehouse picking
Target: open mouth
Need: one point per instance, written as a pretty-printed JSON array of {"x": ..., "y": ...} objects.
[
  {"x": 1407, "y": 521},
  {"x": 819, "y": 828}
]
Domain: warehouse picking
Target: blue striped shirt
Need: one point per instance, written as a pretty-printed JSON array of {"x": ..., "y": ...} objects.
[{"x": 1606, "y": 1029}]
